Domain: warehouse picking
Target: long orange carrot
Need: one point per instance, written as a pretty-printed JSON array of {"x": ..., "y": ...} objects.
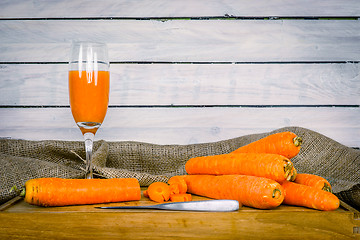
[
  {"x": 250, "y": 191},
  {"x": 267, "y": 165},
  {"x": 286, "y": 144},
  {"x": 62, "y": 192},
  {"x": 306, "y": 196},
  {"x": 313, "y": 181}
]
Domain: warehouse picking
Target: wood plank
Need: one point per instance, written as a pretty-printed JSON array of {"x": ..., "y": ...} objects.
[
  {"x": 177, "y": 8},
  {"x": 174, "y": 225},
  {"x": 182, "y": 125},
  {"x": 192, "y": 84},
  {"x": 185, "y": 40},
  {"x": 284, "y": 222}
]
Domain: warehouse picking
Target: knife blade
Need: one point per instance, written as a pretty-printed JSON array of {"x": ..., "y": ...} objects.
[{"x": 203, "y": 206}]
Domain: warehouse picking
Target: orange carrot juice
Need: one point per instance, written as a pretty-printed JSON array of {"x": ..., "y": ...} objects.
[{"x": 89, "y": 97}]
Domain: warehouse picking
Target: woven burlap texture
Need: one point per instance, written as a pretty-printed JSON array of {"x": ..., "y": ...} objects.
[{"x": 22, "y": 160}]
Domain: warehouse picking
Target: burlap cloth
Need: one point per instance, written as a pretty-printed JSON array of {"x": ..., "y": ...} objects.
[{"x": 22, "y": 160}]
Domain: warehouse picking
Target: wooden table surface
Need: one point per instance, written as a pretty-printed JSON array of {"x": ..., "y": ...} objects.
[{"x": 24, "y": 221}]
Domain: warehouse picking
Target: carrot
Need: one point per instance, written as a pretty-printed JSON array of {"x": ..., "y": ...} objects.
[
  {"x": 286, "y": 144},
  {"x": 250, "y": 191},
  {"x": 63, "y": 192},
  {"x": 294, "y": 175},
  {"x": 174, "y": 188},
  {"x": 177, "y": 180},
  {"x": 306, "y": 196},
  {"x": 159, "y": 192},
  {"x": 267, "y": 165},
  {"x": 181, "y": 197},
  {"x": 313, "y": 181}
]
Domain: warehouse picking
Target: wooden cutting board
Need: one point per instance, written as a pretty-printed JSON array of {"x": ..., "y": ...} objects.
[{"x": 23, "y": 221}]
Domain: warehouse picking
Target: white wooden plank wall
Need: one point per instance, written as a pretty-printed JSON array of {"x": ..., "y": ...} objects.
[{"x": 185, "y": 71}]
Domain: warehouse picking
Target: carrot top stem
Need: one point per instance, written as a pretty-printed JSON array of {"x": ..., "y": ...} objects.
[
  {"x": 327, "y": 187},
  {"x": 21, "y": 192},
  {"x": 276, "y": 193},
  {"x": 297, "y": 141},
  {"x": 294, "y": 174},
  {"x": 288, "y": 167}
]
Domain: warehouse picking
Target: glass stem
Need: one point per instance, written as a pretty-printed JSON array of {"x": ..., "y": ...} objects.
[{"x": 89, "y": 138}]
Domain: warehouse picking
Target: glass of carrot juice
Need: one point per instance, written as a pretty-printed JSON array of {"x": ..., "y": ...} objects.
[{"x": 89, "y": 83}]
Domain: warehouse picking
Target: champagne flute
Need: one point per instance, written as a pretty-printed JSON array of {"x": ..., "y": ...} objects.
[{"x": 89, "y": 83}]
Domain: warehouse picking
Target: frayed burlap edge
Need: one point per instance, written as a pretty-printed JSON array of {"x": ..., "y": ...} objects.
[{"x": 23, "y": 160}]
